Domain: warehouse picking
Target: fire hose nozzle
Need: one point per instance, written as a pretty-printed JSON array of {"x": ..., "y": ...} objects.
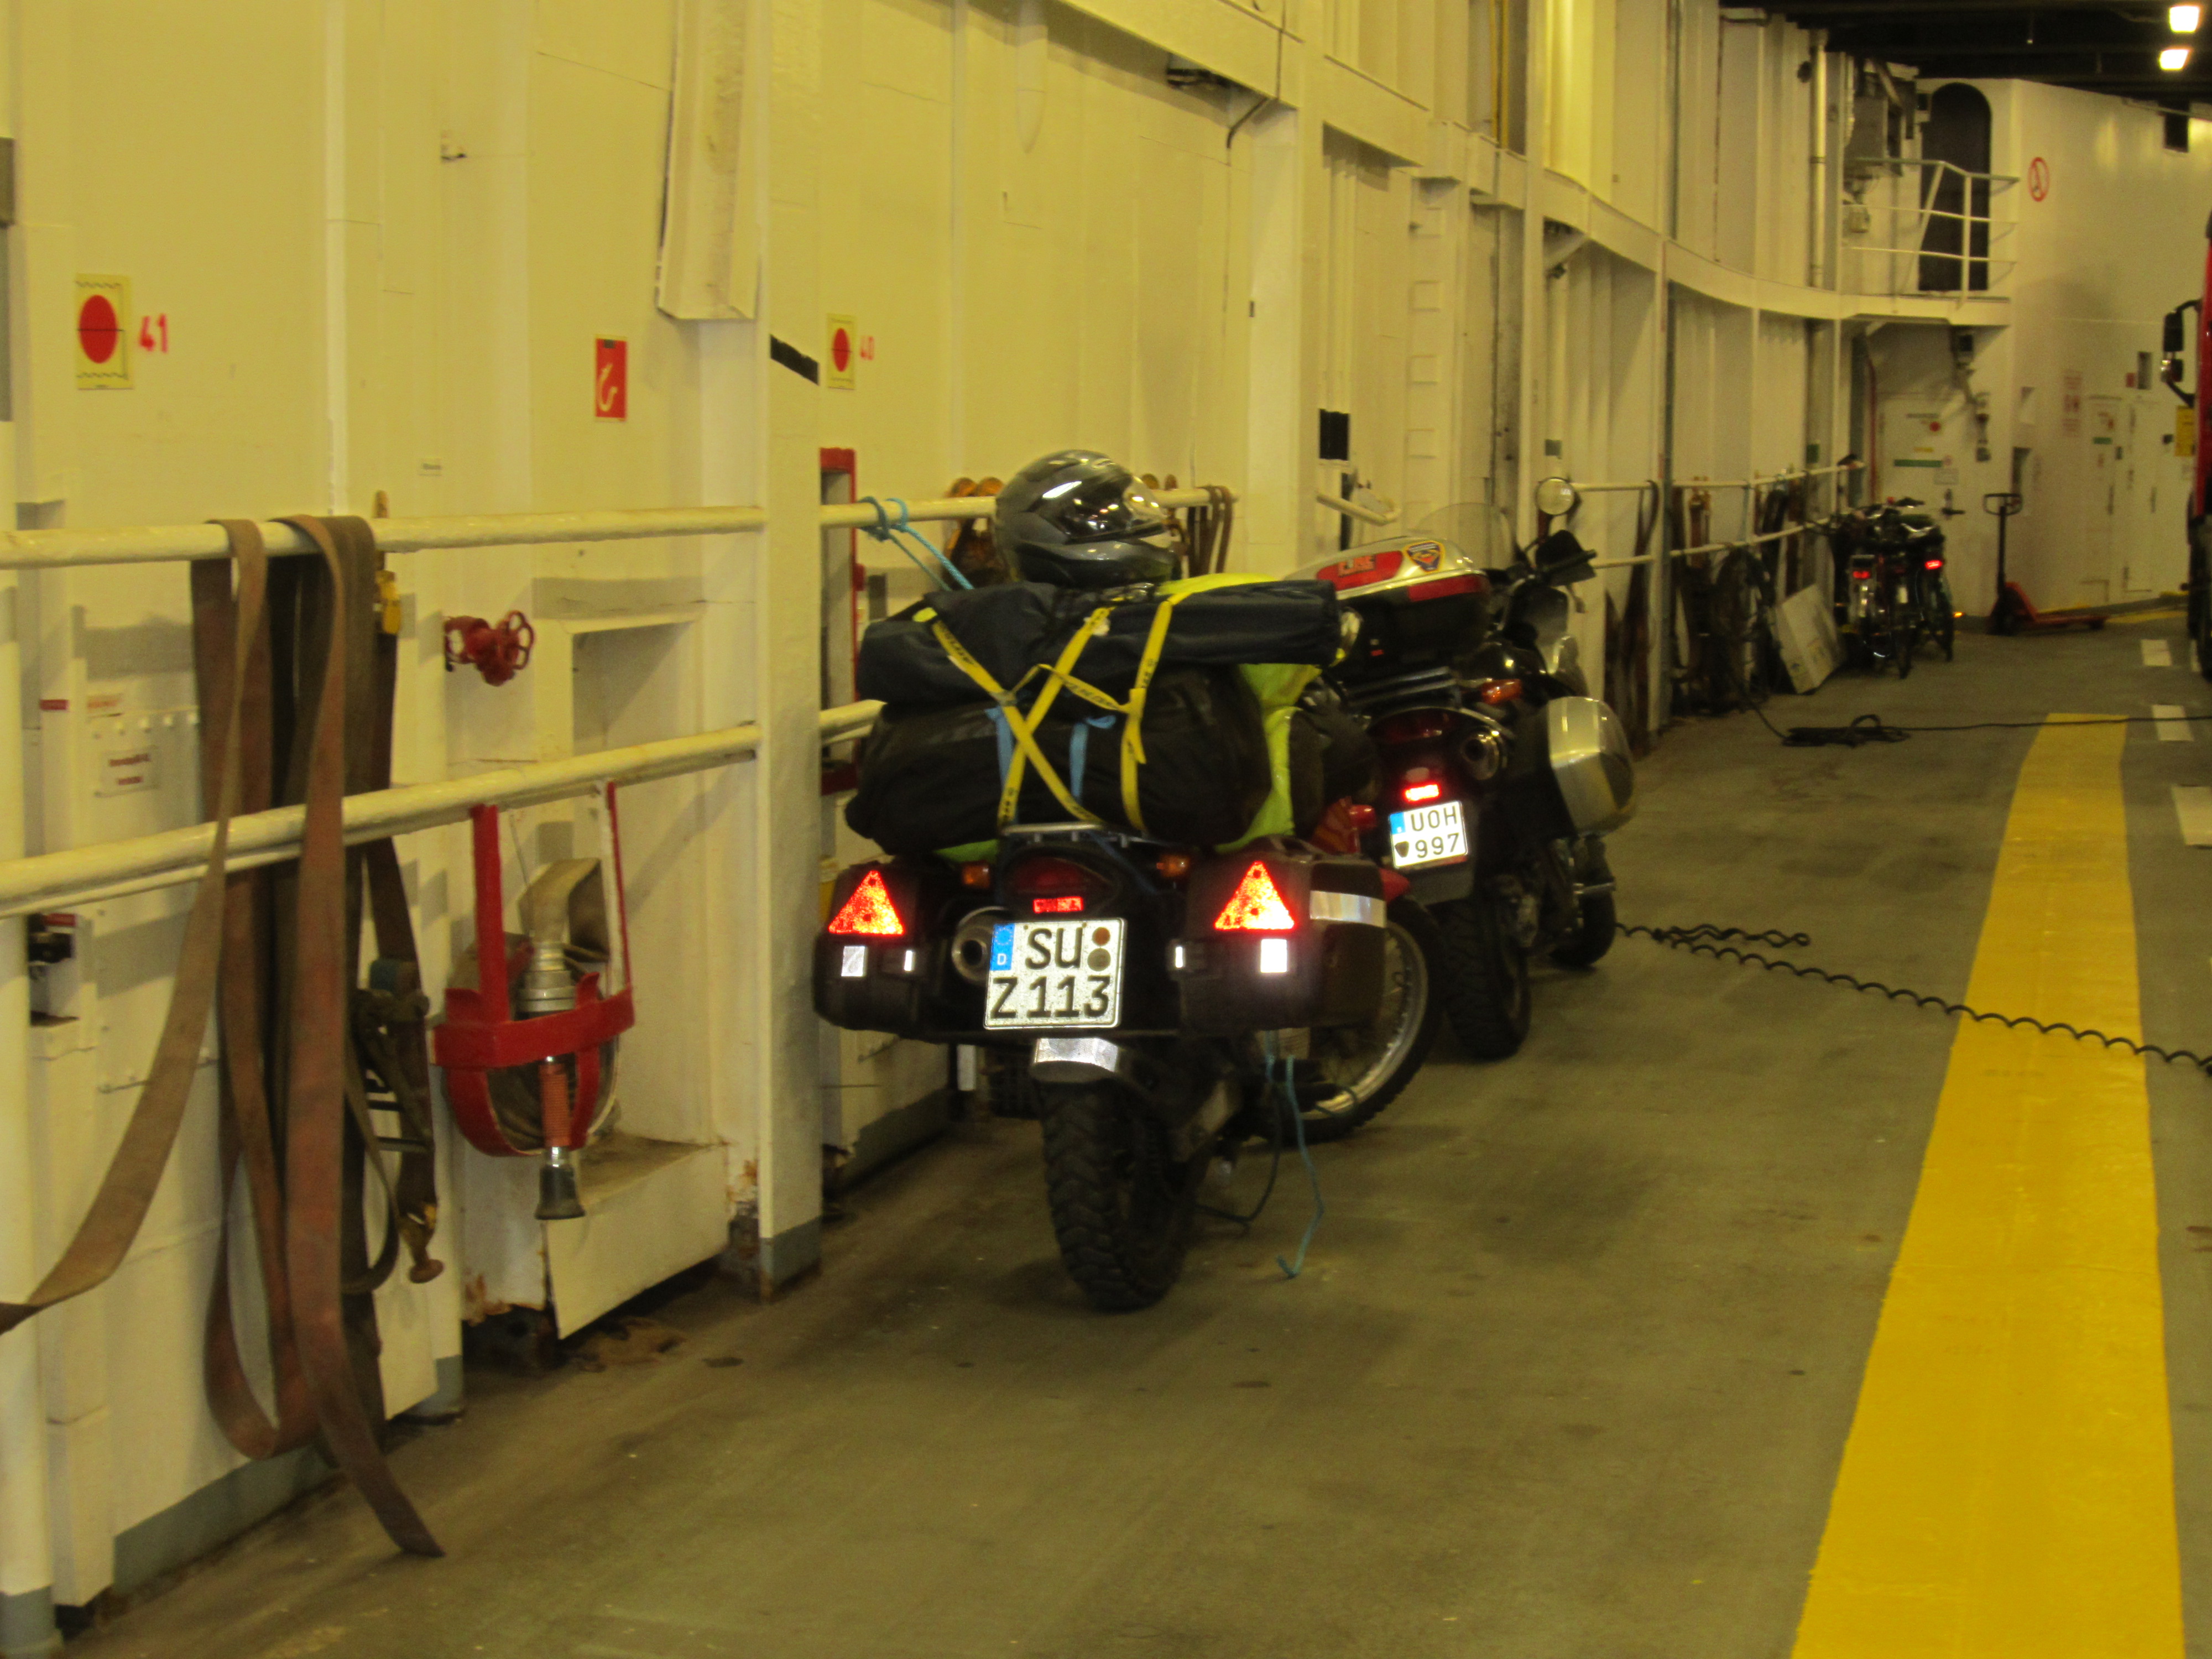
[{"x": 559, "y": 1198}]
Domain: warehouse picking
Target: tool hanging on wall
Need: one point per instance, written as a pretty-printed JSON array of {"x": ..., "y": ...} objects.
[
  {"x": 529, "y": 1051},
  {"x": 296, "y": 676}
]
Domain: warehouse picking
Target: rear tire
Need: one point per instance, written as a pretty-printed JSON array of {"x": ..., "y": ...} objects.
[
  {"x": 1485, "y": 983},
  {"x": 1121, "y": 1209},
  {"x": 1373, "y": 1063}
]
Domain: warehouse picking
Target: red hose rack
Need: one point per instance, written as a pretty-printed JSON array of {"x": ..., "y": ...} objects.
[{"x": 481, "y": 1034}]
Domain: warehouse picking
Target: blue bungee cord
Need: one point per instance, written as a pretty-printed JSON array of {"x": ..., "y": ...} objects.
[
  {"x": 1291, "y": 1269},
  {"x": 900, "y": 534}
]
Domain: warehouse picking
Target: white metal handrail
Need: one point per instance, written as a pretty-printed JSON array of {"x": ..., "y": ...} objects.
[
  {"x": 1784, "y": 534},
  {"x": 84, "y": 875},
  {"x": 1352, "y": 509},
  {"x": 1770, "y": 477},
  {"x": 52, "y": 549}
]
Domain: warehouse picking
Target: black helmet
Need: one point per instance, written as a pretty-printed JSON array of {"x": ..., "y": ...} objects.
[{"x": 1076, "y": 518}]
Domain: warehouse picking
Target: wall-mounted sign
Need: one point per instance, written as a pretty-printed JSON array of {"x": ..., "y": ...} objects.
[
  {"x": 103, "y": 339},
  {"x": 610, "y": 379},
  {"x": 844, "y": 351},
  {"x": 126, "y": 768}
]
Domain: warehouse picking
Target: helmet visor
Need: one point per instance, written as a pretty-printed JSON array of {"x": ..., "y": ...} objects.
[{"x": 1105, "y": 509}]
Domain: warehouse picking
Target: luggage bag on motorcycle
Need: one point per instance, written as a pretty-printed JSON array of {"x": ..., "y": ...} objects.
[
  {"x": 1279, "y": 936},
  {"x": 932, "y": 777},
  {"x": 1011, "y": 629}
]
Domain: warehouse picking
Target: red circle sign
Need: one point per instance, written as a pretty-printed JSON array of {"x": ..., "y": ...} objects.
[
  {"x": 97, "y": 331},
  {"x": 2038, "y": 177},
  {"x": 840, "y": 350}
]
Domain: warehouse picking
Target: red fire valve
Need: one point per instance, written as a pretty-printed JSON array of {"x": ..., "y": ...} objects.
[{"x": 495, "y": 653}]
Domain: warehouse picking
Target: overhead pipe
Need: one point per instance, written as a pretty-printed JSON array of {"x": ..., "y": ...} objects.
[{"x": 1816, "y": 238}]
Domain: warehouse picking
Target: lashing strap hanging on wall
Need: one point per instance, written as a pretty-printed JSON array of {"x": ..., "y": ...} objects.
[
  {"x": 284, "y": 671},
  {"x": 322, "y": 1085},
  {"x": 103, "y": 1237}
]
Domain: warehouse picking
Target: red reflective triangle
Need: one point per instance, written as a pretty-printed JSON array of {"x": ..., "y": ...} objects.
[
  {"x": 869, "y": 910},
  {"x": 1256, "y": 906}
]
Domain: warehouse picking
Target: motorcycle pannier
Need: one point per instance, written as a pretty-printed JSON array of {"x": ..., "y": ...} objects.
[
  {"x": 877, "y": 953},
  {"x": 1571, "y": 773},
  {"x": 930, "y": 777},
  {"x": 1279, "y": 937}
]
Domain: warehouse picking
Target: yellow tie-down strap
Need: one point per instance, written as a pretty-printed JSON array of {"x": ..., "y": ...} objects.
[{"x": 1025, "y": 727}]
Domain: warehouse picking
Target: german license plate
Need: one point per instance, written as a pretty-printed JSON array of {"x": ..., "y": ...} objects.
[
  {"x": 1053, "y": 975},
  {"x": 1428, "y": 835}
]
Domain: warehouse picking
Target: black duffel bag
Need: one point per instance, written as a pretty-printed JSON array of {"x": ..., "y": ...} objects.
[
  {"x": 1332, "y": 759},
  {"x": 1011, "y": 626},
  {"x": 930, "y": 776}
]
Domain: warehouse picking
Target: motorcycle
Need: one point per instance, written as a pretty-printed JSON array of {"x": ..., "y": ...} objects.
[
  {"x": 1153, "y": 998},
  {"x": 1161, "y": 1004},
  {"x": 1501, "y": 775},
  {"x": 1896, "y": 589}
]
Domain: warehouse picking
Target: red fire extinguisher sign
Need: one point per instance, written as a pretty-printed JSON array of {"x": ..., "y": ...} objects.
[{"x": 611, "y": 380}]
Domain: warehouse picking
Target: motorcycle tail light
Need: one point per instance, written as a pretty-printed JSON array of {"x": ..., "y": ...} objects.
[
  {"x": 1861, "y": 575},
  {"x": 1421, "y": 792},
  {"x": 1256, "y": 906},
  {"x": 1055, "y": 878},
  {"x": 1060, "y": 904},
  {"x": 1500, "y": 691},
  {"x": 1416, "y": 726},
  {"x": 1934, "y": 564},
  {"x": 869, "y": 911}
]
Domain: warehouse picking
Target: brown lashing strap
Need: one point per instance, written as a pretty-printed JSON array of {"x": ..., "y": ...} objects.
[
  {"x": 299, "y": 1209},
  {"x": 318, "y": 1059},
  {"x": 248, "y": 1140},
  {"x": 103, "y": 1237}
]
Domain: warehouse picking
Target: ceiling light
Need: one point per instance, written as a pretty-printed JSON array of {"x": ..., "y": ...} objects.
[
  {"x": 2184, "y": 20},
  {"x": 2174, "y": 57}
]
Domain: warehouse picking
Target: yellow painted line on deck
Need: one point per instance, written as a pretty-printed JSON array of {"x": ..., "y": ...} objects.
[{"x": 2007, "y": 1491}]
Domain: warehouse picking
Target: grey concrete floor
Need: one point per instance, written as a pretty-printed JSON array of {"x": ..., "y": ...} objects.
[{"x": 1568, "y": 1374}]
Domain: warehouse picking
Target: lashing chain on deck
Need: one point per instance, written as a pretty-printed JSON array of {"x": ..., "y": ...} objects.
[{"x": 1706, "y": 938}]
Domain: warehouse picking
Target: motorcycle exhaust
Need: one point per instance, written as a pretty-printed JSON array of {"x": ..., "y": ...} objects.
[
  {"x": 1484, "y": 751},
  {"x": 971, "y": 944}
]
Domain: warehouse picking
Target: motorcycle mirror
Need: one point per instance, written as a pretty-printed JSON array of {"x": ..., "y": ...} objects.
[
  {"x": 1556, "y": 498},
  {"x": 2172, "y": 341},
  {"x": 1558, "y": 555}
]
